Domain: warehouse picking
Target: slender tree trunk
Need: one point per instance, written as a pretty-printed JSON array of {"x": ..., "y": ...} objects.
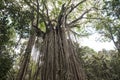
[{"x": 25, "y": 62}]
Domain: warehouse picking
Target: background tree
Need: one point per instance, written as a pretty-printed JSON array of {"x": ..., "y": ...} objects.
[
  {"x": 7, "y": 36},
  {"x": 100, "y": 65},
  {"x": 108, "y": 23}
]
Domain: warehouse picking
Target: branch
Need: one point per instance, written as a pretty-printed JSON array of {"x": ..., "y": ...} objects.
[
  {"x": 18, "y": 40},
  {"x": 74, "y": 21},
  {"x": 93, "y": 18},
  {"x": 112, "y": 37},
  {"x": 60, "y": 16},
  {"x": 47, "y": 13},
  {"x": 73, "y": 7},
  {"x": 117, "y": 43},
  {"x": 37, "y": 13},
  {"x": 110, "y": 30},
  {"x": 41, "y": 15}
]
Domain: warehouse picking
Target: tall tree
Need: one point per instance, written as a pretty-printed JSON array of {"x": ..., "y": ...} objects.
[
  {"x": 53, "y": 21},
  {"x": 58, "y": 58}
]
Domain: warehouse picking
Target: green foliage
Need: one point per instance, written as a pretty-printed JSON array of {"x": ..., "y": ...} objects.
[
  {"x": 7, "y": 37},
  {"x": 42, "y": 27},
  {"x": 102, "y": 65},
  {"x": 6, "y": 58},
  {"x": 6, "y": 63},
  {"x": 112, "y": 7},
  {"x": 17, "y": 16},
  {"x": 108, "y": 25}
]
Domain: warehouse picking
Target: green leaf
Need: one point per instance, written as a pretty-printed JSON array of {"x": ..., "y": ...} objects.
[
  {"x": 60, "y": 2},
  {"x": 42, "y": 27}
]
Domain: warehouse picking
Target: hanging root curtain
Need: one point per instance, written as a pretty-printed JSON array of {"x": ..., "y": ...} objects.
[{"x": 59, "y": 60}]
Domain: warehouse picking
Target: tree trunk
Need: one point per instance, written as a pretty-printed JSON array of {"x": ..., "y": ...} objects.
[
  {"x": 59, "y": 58},
  {"x": 25, "y": 62}
]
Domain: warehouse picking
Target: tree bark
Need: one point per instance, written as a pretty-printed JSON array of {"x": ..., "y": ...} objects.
[
  {"x": 25, "y": 62},
  {"x": 59, "y": 58}
]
